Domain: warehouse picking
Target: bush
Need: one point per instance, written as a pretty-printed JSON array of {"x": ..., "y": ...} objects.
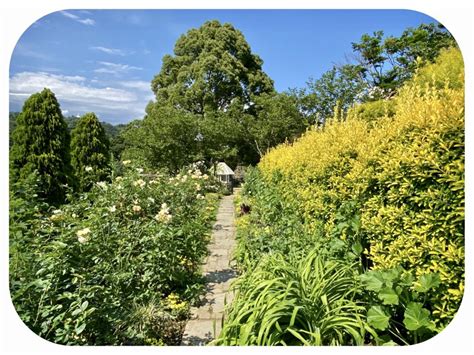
[
  {"x": 119, "y": 265},
  {"x": 386, "y": 187}
]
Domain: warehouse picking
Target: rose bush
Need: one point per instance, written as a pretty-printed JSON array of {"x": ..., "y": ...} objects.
[{"x": 119, "y": 264}]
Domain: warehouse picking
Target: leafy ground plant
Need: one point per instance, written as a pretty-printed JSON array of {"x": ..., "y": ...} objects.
[
  {"x": 296, "y": 302},
  {"x": 399, "y": 309}
]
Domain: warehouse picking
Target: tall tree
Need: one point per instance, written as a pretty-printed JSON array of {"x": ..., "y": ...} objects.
[
  {"x": 211, "y": 66},
  {"x": 386, "y": 63},
  {"x": 90, "y": 153},
  {"x": 340, "y": 86},
  {"x": 12, "y": 125},
  {"x": 276, "y": 119},
  {"x": 41, "y": 143},
  {"x": 381, "y": 66},
  {"x": 165, "y": 138},
  {"x": 202, "y": 93}
]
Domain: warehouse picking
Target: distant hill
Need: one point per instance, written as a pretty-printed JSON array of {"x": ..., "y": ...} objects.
[{"x": 111, "y": 130}]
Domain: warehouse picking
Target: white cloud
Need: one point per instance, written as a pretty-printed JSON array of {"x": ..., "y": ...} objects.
[
  {"x": 113, "y": 51},
  {"x": 87, "y": 21},
  {"x": 136, "y": 84},
  {"x": 118, "y": 102},
  {"x": 69, "y": 15},
  {"x": 84, "y": 21},
  {"x": 115, "y": 68}
]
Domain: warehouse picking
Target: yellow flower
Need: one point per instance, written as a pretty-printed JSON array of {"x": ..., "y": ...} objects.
[
  {"x": 83, "y": 232},
  {"x": 174, "y": 302},
  {"x": 140, "y": 183},
  {"x": 136, "y": 208}
]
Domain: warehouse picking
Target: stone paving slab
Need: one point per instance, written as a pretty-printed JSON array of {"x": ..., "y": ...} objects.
[
  {"x": 200, "y": 331},
  {"x": 206, "y": 320}
]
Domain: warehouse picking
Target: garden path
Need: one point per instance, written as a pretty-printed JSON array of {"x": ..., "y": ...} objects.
[{"x": 205, "y": 323}]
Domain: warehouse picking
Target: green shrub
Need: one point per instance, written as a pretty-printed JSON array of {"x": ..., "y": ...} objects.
[
  {"x": 400, "y": 304},
  {"x": 90, "y": 155},
  {"x": 118, "y": 265},
  {"x": 385, "y": 188}
]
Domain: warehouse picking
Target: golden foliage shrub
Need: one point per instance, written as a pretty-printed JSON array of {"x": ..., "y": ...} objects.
[{"x": 401, "y": 162}]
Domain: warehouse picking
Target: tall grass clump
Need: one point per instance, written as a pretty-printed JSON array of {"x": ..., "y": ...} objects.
[{"x": 296, "y": 302}]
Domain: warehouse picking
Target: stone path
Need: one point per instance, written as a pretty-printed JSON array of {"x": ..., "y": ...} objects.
[{"x": 205, "y": 323}]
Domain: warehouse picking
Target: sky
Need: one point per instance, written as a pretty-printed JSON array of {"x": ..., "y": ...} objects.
[{"x": 103, "y": 61}]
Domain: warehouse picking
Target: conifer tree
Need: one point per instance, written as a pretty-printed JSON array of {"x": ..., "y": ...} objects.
[
  {"x": 40, "y": 142},
  {"x": 90, "y": 151}
]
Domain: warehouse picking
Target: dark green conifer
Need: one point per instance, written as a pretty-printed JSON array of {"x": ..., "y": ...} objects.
[
  {"x": 90, "y": 152},
  {"x": 40, "y": 142}
]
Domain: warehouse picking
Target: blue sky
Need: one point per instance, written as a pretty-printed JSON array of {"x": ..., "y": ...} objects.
[{"x": 104, "y": 60}]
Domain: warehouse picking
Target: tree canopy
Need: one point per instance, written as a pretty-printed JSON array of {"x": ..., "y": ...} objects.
[
  {"x": 380, "y": 65},
  {"x": 90, "y": 155},
  {"x": 40, "y": 142},
  {"x": 211, "y": 66},
  {"x": 208, "y": 96}
]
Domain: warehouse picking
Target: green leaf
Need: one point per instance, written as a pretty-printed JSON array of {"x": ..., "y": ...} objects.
[
  {"x": 357, "y": 248},
  {"x": 406, "y": 279},
  {"x": 427, "y": 282},
  {"x": 80, "y": 328},
  {"x": 372, "y": 281},
  {"x": 390, "y": 343},
  {"x": 388, "y": 296},
  {"x": 76, "y": 311},
  {"x": 391, "y": 275},
  {"x": 377, "y": 318},
  {"x": 416, "y": 316},
  {"x": 84, "y": 305}
]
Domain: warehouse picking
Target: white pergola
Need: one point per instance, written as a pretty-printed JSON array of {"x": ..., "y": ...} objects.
[{"x": 224, "y": 173}]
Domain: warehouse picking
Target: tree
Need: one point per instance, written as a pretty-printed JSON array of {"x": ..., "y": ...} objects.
[
  {"x": 41, "y": 143},
  {"x": 277, "y": 119},
  {"x": 90, "y": 153},
  {"x": 165, "y": 138},
  {"x": 12, "y": 125},
  {"x": 381, "y": 66},
  {"x": 339, "y": 86},
  {"x": 387, "y": 63},
  {"x": 211, "y": 66},
  {"x": 170, "y": 138},
  {"x": 202, "y": 93}
]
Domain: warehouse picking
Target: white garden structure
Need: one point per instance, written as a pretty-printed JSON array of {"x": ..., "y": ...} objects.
[{"x": 224, "y": 173}]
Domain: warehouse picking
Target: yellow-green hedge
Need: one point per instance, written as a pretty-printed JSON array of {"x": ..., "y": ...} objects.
[{"x": 402, "y": 163}]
